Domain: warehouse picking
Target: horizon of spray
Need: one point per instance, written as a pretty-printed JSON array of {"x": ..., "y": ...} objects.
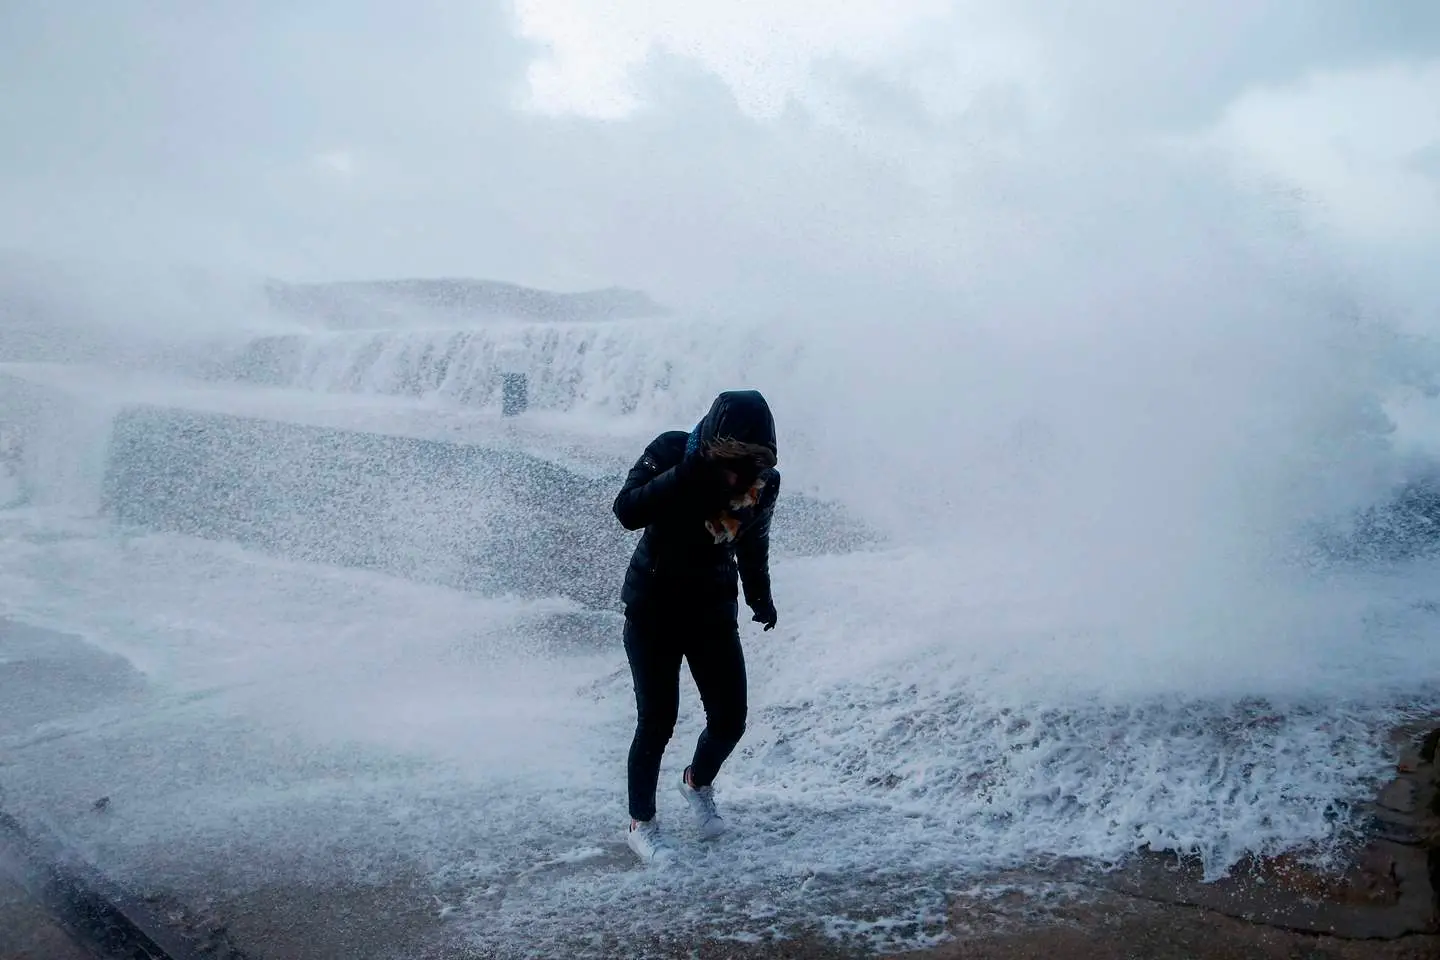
[
  {"x": 1137, "y": 377},
  {"x": 1144, "y": 407}
]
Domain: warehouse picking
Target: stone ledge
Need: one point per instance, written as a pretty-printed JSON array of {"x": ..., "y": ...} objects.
[
  {"x": 1386, "y": 891},
  {"x": 84, "y": 904}
]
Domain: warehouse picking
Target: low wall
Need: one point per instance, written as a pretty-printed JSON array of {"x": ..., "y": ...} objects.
[{"x": 462, "y": 515}]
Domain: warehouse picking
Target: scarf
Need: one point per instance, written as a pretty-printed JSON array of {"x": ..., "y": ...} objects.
[{"x": 725, "y": 526}]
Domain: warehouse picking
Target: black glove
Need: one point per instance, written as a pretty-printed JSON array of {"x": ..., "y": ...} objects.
[{"x": 765, "y": 613}]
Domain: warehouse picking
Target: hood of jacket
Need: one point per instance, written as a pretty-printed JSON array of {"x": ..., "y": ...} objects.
[{"x": 738, "y": 419}]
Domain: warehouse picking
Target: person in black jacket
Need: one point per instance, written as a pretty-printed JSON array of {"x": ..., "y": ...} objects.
[{"x": 705, "y": 501}]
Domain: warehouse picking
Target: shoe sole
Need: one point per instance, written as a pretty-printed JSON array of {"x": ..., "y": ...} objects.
[{"x": 661, "y": 853}]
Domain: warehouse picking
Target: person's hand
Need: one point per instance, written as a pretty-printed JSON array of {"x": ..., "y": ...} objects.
[{"x": 765, "y": 613}]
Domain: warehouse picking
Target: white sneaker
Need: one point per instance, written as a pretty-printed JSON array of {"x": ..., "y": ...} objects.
[
  {"x": 702, "y": 804},
  {"x": 645, "y": 839}
]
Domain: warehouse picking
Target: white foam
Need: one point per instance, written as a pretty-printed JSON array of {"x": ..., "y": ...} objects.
[
  {"x": 652, "y": 370},
  {"x": 900, "y": 733}
]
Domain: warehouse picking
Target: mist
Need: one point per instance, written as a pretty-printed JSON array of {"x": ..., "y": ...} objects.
[{"x": 1098, "y": 408}]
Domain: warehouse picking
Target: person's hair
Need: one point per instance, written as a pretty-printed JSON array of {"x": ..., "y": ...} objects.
[{"x": 727, "y": 448}]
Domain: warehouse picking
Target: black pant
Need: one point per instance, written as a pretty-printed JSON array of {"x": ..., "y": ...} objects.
[{"x": 655, "y": 642}]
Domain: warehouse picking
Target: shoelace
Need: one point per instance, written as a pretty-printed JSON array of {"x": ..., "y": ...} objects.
[
  {"x": 707, "y": 800},
  {"x": 649, "y": 833}
]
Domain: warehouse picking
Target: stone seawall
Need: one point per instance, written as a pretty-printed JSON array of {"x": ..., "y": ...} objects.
[
  {"x": 455, "y": 514},
  {"x": 458, "y": 514}
]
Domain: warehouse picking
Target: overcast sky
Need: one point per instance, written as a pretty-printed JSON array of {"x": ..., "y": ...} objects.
[{"x": 775, "y": 147}]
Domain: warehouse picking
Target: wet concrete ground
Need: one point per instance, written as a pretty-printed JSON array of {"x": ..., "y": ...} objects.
[
  {"x": 1145, "y": 912},
  {"x": 28, "y": 931}
]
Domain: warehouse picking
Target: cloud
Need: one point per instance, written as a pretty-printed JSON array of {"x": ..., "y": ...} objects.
[
  {"x": 1355, "y": 142},
  {"x": 1426, "y": 161},
  {"x": 1116, "y": 63},
  {"x": 1124, "y": 63},
  {"x": 176, "y": 127},
  {"x": 793, "y": 155},
  {"x": 1350, "y": 136},
  {"x": 762, "y": 49},
  {"x": 340, "y": 163}
]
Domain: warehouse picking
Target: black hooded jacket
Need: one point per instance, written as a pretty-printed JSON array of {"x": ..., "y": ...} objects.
[{"x": 671, "y": 493}]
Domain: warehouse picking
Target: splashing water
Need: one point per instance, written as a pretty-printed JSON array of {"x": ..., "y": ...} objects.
[{"x": 1090, "y": 618}]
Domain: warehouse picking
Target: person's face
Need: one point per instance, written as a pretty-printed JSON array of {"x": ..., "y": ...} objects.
[{"x": 738, "y": 475}]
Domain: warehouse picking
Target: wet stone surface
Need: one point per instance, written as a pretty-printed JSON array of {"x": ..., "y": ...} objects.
[
  {"x": 47, "y": 676},
  {"x": 1382, "y": 905},
  {"x": 28, "y": 931}
]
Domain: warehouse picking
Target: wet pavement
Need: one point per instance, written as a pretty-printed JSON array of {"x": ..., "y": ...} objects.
[
  {"x": 54, "y": 907},
  {"x": 29, "y": 932}
]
